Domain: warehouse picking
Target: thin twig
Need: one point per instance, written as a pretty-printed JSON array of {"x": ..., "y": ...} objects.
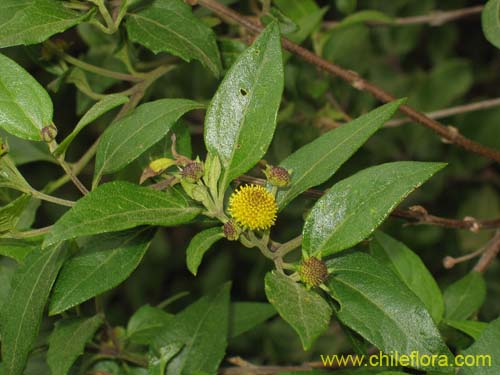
[
  {"x": 415, "y": 214},
  {"x": 76, "y": 168},
  {"x": 447, "y": 112},
  {"x": 435, "y": 18},
  {"x": 69, "y": 171},
  {"x": 450, "y": 262},
  {"x": 448, "y": 133},
  {"x": 490, "y": 253}
]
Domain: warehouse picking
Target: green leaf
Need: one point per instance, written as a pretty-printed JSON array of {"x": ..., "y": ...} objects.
[
  {"x": 158, "y": 363},
  {"x": 144, "y": 325},
  {"x": 98, "y": 109},
  {"x": 490, "y": 20},
  {"x": 486, "y": 348},
  {"x": 366, "y": 16},
  {"x": 25, "y": 106},
  {"x": 199, "y": 245},
  {"x": 21, "y": 317},
  {"x": 121, "y": 205},
  {"x": 104, "y": 262},
  {"x": 10, "y": 177},
  {"x": 7, "y": 270},
  {"x": 346, "y": 6},
  {"x": 67, "y": 342},
  {"x": 247, "y": 315},
  {"x": 307, "y": 312},
  {"x": 11, "y": 213},
  {"x": 17, "y": 249},
  {"x": 377, "y": 305},
  {"x": 170, "y": 26},
  {"x": 473, "y": 328},
  {"x": 33, "y": 21},
  {"x": 465, "y": 296},
  {"x": 241, "y": 117},
  {"x": 411, "y": 270},
  {"x": 305, "y": 13},
  {"x": 317, "y": 161},
  {"x": 22, "y": 151},
  {"x": 356, "y": 206},
  {"x": 126, "y": 139},
  {"x": 202, "y": 327}
]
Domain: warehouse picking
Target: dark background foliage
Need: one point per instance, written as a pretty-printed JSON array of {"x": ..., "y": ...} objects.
[{"x": 434, "y": 66}]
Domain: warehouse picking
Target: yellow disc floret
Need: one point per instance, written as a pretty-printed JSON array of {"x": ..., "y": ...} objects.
[{"x": 253, "y": 207}]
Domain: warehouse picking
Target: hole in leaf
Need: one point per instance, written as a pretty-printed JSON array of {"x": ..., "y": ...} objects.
[{"x": 243, "y": 92}]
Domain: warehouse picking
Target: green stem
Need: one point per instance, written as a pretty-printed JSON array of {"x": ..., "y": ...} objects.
[
  {"x": 266, "y": 6},
  {"x": 105, "y": 15},
  {"x": 77, "y": 6},
  {"x": 172, "y": 299},
  {"x": 99, "y": 25},
  {"x": 262, "y": 246},
  {"x": 72, "y": 176},
  {"x": 100, "y": 71},
  {"x": 119, "y": 17},
  {"x": 50, "y": 198},
  {"x": 76, "y": 167},
  {"x": 31, "y": 233},
  {"x": 289, "y": 246},
  {"x": 246, "y": 242}
]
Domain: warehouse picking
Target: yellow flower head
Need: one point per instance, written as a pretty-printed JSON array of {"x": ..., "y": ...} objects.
[{"x": 253, "y": 207}]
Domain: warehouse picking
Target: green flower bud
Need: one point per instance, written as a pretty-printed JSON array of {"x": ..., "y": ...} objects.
[
  {"x": 49, "y": 133},
  {"x": 277, "y": 176},
  {"x": 192, "y": 172},
  {"x": 313, "y": 272},
  {"x": 231, "y": 231}
]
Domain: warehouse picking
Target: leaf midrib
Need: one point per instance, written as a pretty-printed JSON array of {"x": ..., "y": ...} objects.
[
  {"x": 396, "y": 322},
  {"x": 365, "y": 202},
  {"x": 320, "y": 160},
  {"x": 257, "y": 76},
  {"x": 180, "y": 36},
  {"x": 131, "y": 135},
  {"x": 27, "y": 302},
  {"x": 112, "y": 254}
]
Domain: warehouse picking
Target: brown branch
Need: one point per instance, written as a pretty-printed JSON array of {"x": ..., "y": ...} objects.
[
  {"x": 450, "y": 134},
  {"x": 450, "y": 262},
  {"x": 471, "y": 107},
  {"x": 414, "y": 215},
  {"x": 490, "y": 253},
  {"x": 435, "y": 18}
]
